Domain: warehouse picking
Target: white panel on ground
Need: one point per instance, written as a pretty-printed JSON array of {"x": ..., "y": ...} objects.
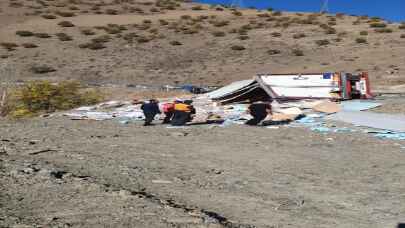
[{"x": 373, "y": 120}]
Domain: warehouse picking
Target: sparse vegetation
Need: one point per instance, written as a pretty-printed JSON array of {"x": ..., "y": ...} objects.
[
  {"x": 276, "y": 34},
  {"x": 42, "y": 69},
  {"x": 299, "y": 35},
  {"x": 273, "y": 52},
  {"x": 93, "y": 45},
  {"x": 24, "y": 33},
  {"x": 185, "y": 17},
  {"x": 243, "y": 37},
  {"x": 49, "y": 16},
  {"x": 383, "y": 30},
  {"x": 361, "y": 40},
  {"x": 39, "y": 97},
  {"x": 42, "y": 35},
  {"x": 64, "y": 37},
  {"x": 237, "y": 13},
  {"x": 322, "y": 42},
  {"x": 9, "y": 46},
  {"x": 402, "y": 36},
  {"x": 143, "y": 39},
  {"x": 29, "y": 45},
  {"x": 237, "y": 47},
  {"x": 175, "y": 43},
  {"x": 65, "y": 14},
  {"x": 218, "y": 34},
  {"x": 66, "y": 24},
  {"x": 363, "y": 33},
  {"x": 101, "y": 39},
  {"x": 402, "y": 26},
  {"x": 199, "y": 7},
  {"x": 87, "y": 32},
  {"x": 378, "y": 25},
  {"x": 298, "y": 52},
  {"x": 163, "y": 22},
  {"x": 111, "y": 12},
  {"x": 220, "y": 23}
]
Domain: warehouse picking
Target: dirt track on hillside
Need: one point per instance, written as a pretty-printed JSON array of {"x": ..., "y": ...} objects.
[{"x": 61, "y": 173}]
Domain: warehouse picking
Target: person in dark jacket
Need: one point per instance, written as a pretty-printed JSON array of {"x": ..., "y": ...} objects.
[
  {"x": 150, "y": 110},
  {"x": 259, "y": 111}
]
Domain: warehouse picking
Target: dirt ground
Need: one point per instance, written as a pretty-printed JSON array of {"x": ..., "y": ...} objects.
[{"x": 56, "y": 172}]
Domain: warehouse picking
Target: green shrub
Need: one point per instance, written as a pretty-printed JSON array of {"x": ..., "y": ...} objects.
[
  {"x": 243, "y": 37},
  {"x": 42, "y": 69},
  {"x": 273, "y": 52},
  {"x": 63, "y": 37},
  {"x": 101, "y": 39},
  {"x": 9, "y": 46},
  {"x": 65, "y": 14},
  {"x": 383, "y": 30},
  {"x": 263, "y": 15},
  {"x": 297, "y": 52},
  {"x": 24, "y": 33},
  {"x": 361, "y": 40},
  {"x": 378, "y": 25},
  {"x": 163, "y": 22},
  {"x": 111, "y": 12},
  {"x": 175, "y": 43},
  {"x": 363, "y": 33},
  {"x": 218, "y": 34},
  {"x": 237, "y": 47},
  {"x": 330, "y": 31},
  {"x": 322, "y": 42},
  {"x": 49, "y": 16},
  {"x": 74, "y": 8},
  {"x": 270, "y": 9},
  {"x": 299, "y": 35},
  {"x": 42, "y": 35},
  {"x": 87, "y": 32},
  {"x": 143, "y": 39},
  {"x": 66, "y": 24},
  {"x": 92, "y": 46},
  {"x": 39, "y": 97},
  {"x": 237, "y": 13},
  {"x": 220, "y": 23},
  {"x": 185, "y": 17},
  {"x": 197, "y": 8},
  {"x": 29, "y": 45}
]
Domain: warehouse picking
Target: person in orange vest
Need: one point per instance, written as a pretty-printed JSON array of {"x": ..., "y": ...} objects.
[{"x": 183, "y": 113}]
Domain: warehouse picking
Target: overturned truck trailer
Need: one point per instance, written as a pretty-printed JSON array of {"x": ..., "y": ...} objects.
[{"x": 283, "y": 87}]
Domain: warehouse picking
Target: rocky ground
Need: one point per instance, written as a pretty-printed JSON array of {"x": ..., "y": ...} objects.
[{"x": 56, "y": 172}]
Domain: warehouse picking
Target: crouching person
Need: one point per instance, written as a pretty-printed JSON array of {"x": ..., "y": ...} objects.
[
  {"x": 168, "y": 110},
  {"x": 183, "y": 113},
  {"x": 259, "y": 112},
  {"x": 150, "y": 110}
]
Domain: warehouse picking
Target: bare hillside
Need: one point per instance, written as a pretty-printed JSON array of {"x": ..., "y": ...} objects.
[{"x": 169, "y": 42}]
